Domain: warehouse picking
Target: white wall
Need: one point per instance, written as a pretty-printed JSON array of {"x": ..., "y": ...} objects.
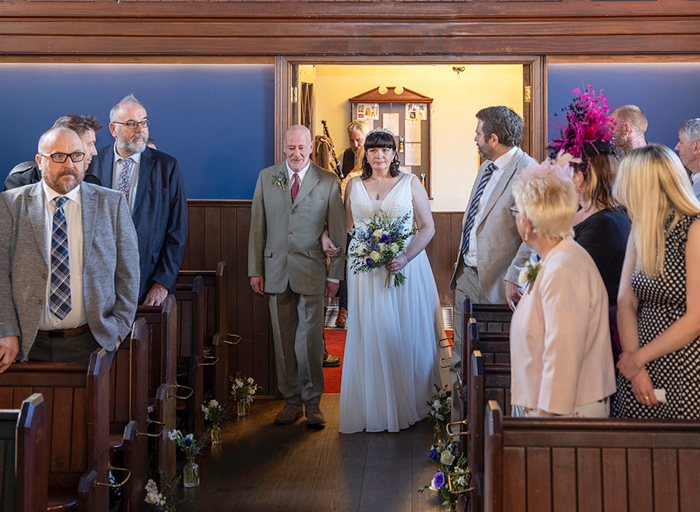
[{"x": 454, "y": 158}]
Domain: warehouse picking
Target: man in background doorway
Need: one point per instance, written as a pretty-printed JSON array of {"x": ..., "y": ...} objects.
[
  {"x": 491, "y": 252},
  {"x": 630, "y": 130},
  {"x": 688, "y": 148},
  {"x": 357, "y": 131}
]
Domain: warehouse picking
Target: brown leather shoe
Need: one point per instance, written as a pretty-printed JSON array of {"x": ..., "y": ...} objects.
[
  {"x": 314, "y": 416},
  {"x": 331, "y": 361},
  {"x": 342, "y": 317},
  {"x": 289, "y": 414}
]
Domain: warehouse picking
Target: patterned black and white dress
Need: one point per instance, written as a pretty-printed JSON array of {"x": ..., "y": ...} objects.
[{"x": 662, "y": 301}]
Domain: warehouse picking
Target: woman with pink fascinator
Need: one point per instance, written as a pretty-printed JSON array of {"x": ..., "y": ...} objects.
[{"x": 561, "y": 358}]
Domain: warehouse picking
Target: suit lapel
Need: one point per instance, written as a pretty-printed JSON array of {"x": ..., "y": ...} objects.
[
  {"x": 144, "y": 185},
  {"x": 479, "y": 174},
  {"x": 89, "y": 205},
  {"x": 505, "y": 179},
  {"x": 310, "y": 181},
  {"x": 35, "y": 207},
  {"x": 107, "y": 166},
  {"x": 287, "y": 190}
]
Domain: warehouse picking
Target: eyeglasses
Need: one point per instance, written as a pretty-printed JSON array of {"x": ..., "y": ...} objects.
[
  {"x": 514, "y": 211},
  {"x": 131, "y": 125},
  {"x": 60, "y": 158}
]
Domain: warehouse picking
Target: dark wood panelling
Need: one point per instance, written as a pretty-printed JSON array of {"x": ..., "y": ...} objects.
[{"x": 218, "y": 231}]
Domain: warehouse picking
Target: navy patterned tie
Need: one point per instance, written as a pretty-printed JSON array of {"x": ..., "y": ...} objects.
[
  {"x": 474, "y": 207},
  {"x": 59, "y": 298},
  {"x": 124, "y": 178}
]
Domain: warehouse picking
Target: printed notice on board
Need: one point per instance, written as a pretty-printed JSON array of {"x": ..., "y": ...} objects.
[
  {"x": 412, "y": 130},
  {"x": 391, "y": 123},
  {"x": 413, "y": 154}
]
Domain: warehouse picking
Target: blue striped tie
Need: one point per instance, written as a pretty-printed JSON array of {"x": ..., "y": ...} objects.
[
  {"x": 59, "y": 299},
  {"x": 474, "y": 207}
]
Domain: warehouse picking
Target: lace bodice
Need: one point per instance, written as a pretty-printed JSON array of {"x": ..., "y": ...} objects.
[{"x": 397, "y": 203}]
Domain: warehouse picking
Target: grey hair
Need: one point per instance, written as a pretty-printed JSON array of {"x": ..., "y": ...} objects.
[
  {"x": 691, "y": 128},
  {"x": 358, "y": 124},
  {"x": 128, "y": 100},
  {"x": 502, "y": 122}
]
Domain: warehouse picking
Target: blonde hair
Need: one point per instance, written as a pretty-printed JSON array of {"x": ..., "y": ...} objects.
[
  {"x": 358, "y": 159},
  {"x": 652, "y": 184},
  {"x": 358, "y": 124},
  {"x": 549, "y": 203}
]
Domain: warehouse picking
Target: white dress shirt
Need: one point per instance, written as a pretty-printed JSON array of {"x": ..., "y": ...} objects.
[
  {"x": 74, "y": 228},
  {"x": 501, "y": 162},
  {"x": 134, "y": 176}
]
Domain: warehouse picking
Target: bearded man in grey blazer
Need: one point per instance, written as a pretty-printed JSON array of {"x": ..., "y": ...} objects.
[
  {"x": 294, "y": 202},
  {"x": 69, "y": 262},
  {"x": 688, "y": 148},
  {"x": 492, "y": 252}
]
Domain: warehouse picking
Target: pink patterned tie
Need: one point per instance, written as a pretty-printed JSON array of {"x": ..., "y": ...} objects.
[{"x": 295, "y": 186}]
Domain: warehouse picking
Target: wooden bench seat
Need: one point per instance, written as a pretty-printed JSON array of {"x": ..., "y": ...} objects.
[
  {"x": 77, "y": 399},
  {"x": 590, "y": 465},
  {"x": 24, "y": 456}
]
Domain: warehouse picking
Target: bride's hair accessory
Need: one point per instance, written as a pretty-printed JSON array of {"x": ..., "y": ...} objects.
[
  {"x": 589, "y": 131},
  {"x": 559, "y": 167},
  {"x": 381, "y": 130}
]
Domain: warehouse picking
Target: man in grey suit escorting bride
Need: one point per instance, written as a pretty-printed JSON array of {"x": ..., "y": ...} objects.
[
  {"x": 492, "y": 252},
  {"x": 294, "y": 202}
]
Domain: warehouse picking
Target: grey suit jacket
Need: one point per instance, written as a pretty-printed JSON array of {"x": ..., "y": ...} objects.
[
  {"x": 284, "y": 243},
  {"x": 500, "y": 252},
  {"x": 110, "y": 259}
]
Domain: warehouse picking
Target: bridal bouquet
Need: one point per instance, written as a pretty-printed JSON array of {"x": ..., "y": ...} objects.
[{"x": 384, "y": 240}]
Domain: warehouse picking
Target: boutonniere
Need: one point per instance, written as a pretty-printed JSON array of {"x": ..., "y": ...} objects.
[
  {"x": 280, "y": 180},
  {"x": 528, "y": 274}
]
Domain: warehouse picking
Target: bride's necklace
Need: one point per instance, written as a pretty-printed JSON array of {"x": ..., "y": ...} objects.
[{"x": 378, "y": 180}]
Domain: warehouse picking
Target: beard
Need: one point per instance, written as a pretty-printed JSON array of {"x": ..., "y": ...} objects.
[
  {"x": 132, "y": 145},
  {"x": 63, "y": 186}
]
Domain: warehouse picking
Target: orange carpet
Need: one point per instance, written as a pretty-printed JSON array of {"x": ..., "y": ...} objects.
[{"x": 335, "y": 343}]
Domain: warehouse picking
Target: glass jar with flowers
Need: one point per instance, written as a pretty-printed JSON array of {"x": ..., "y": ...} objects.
[
  {"x": 215, "y": 413},
  {"x": 191, "y": 448},
  {"x": 162, "y": 501},
  {"x": 452, "y": 479},
  {"x": 243, "y": 389}
]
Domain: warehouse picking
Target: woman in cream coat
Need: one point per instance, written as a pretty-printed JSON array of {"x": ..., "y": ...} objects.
[{"x": 561, "y": 358}]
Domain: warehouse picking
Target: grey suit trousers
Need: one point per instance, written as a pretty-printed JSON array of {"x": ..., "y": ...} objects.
[{"x": 297, "y": 328}]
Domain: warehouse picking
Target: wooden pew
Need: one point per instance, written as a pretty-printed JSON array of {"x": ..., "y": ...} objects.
[
  {"x": 24, "y": 457},
  {"x": 217, "y": 338},
  {"x": 488, "y": 382},
  {"x": 77, "y": 399},
  {"x": 190, "y": 354},
  {"x": 161, "y": 323},
  {"x": 128, "y": 385},
  {"x": 491, "y": 317},
  {"x": 590, "y": 465}
]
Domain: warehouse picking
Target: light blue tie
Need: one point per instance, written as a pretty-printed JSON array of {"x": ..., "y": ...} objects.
[{"x": 59, "y": 299}]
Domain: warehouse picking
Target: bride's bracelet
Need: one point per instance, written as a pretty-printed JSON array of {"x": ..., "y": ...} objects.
[{"x": 405, "y": 259}]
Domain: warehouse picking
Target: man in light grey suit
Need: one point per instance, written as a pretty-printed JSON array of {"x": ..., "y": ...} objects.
[
  {"x": 688, "y": 148},
  {"x": 293, "y": 203},
  {"x": 492, "y": 252},
  {"x": 69, "y": 263}
]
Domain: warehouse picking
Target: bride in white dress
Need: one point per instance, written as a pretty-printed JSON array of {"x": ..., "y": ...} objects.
[{"x": 391, "y": 354}]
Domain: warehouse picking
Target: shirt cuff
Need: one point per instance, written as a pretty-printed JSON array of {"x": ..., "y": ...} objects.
[{"x": 330, "y": 280}]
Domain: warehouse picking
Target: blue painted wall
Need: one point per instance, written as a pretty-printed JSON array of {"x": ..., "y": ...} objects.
[
  {"x": 669, "y": 94},
  {"x": 217, "y": 120}
]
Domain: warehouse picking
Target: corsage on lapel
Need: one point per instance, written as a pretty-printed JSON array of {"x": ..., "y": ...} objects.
[
  {"x": 528, "y": 275},
  {"x": 280, "y": 180}
]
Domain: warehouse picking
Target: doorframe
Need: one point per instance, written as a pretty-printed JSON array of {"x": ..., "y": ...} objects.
[{"x": 534, "y": 69}]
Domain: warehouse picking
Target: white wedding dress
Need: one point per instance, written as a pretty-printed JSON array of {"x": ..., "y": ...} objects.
[{"x": 391, "y": 361}]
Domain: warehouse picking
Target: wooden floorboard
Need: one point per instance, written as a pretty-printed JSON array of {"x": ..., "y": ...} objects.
[{"x": 293, "y": 468}]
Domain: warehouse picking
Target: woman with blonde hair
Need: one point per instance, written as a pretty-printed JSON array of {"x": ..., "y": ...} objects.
[
  {"x": 561, "y": 360},
  {"x": 659, "y": 300}
]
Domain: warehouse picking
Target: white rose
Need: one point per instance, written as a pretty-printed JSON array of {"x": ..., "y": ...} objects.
[
  {"x": 375, "y": 256},
  {"x": 213, "y": 402},
  {"x": 382, "y": 248},
  {"x": 447, "y": 458},
  {"x": 362, "y": 249},
  {"x": 522, "y": 277},
  {"x": 394, "y": 248}
]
